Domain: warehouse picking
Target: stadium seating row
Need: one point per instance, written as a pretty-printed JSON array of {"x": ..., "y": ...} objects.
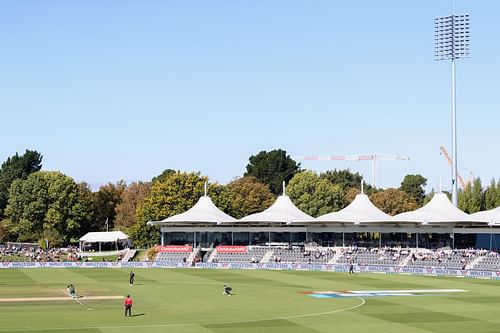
[{"x": 444, "y": 258}]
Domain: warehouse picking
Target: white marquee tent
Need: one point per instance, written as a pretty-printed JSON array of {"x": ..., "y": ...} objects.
[
  {"x": 360, "y": 210},
  {"x": 492, "y": 216},
  {"x": 282, "y": 211},
  {"x": 204, "y": 211},
  {"x": 113, "y": 237},
  {"x": 439, "y": 210}
]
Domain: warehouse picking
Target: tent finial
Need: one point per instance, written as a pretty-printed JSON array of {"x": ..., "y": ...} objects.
[
  {"x": 362, "y": 189},
  {"x": 284, "y": 188},
  {"x": 205, "y": 188}
]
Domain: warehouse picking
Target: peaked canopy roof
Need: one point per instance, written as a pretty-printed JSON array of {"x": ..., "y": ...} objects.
[
  {"x": 103, "y": 237},
  {"x": 491, "y": 216},
  {"x": 204, "y": 211},
  {"x": 361, "y": 209},
  {"x": 282, "y": 210},
  {"x": 438, "y": 210}
]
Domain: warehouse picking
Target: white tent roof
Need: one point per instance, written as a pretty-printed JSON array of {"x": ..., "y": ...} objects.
[
  {"x": 491, "y": 216},
  {"x": 103, "y": 237},
  {"x": 361, "y": 209},
  {"x": 282, "y": 210},
  {"x": 204, "y": 211},
  {"x": 438, "y": 210}
]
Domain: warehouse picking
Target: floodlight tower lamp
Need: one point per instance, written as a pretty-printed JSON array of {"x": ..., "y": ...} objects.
[{"x": 451, "y": 43}]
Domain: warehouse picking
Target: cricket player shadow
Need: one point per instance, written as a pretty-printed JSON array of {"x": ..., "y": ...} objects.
[{"x": 138, "y": 315}]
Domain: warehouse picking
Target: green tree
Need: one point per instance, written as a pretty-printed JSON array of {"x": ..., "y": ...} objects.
[
  {"x": 393, "y": 201},
  {"x": 106, "y": 200},
  {"x": 6, "y": 231},
  {"x": 87, "y": 205},
  {"x": 46, "y": 205},
  {"x": 498, "y": 194},
  {"x": 346, "y": 179},
  {"x": 132, "y": 197},
  {"x": 414, "y": 186},
  {"x": 170, "y": 196},
  {"x": 492, "y": 195},
  {"x": 247, "y": 195},
  {"x": 17, "y": 167},
  {"x": 163, "y": 175},
  {"x": 314, "y": 195},
  {"x": 221, "y": 197},
  {"x": 349, "y": 182},
  {"x": 471, "y": 199},
  {"x": 272, "y": 168}
]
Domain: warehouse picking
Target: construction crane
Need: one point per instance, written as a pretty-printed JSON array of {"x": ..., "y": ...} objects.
[
  {"x": 361, "y": 157},
  {"x": 447, "y": 156}
]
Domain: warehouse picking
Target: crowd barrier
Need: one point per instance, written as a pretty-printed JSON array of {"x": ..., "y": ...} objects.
[{"x": 264, "y": 266}]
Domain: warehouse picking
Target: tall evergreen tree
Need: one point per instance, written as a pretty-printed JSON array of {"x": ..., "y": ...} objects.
[
  {"x": 471, "y": 199},
  {"x": 17, "y": 167},
  {"x": 413, "y": 185},
  {"x": 490, "y": 195},
  {"x": 272, "y": 168}
]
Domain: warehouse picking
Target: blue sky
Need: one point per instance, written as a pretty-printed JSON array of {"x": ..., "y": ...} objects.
[{"x": 110, "y": 90}]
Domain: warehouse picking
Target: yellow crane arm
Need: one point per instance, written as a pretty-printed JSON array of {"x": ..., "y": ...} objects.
[{"x": 444, "y": 152}]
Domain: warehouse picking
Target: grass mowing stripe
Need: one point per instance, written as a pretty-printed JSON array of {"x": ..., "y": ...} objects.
[{"x": 192, "y": 324}]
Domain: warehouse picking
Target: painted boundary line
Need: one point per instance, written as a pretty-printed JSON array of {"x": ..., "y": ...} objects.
[{"x": 317, "y": 314}]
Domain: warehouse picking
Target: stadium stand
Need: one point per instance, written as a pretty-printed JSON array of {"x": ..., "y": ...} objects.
[
  {"x": 386, "y": 256},
  {"x": 253, "y": 254},
  {"x": 172, "y": 256},
  {"x": 373, "y": 256},
  {"x": 300, "y": 255},
  {"x": 456, "y": 259},
  {"x": 490, "y": 261}
]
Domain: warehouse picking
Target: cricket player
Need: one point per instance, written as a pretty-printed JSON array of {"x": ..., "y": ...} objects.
[
  {"x": 71, "y": 290},
  {"x": 227, "y": 290}
]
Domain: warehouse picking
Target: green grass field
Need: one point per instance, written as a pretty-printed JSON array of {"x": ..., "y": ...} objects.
[{"x": 191, "y": 300}]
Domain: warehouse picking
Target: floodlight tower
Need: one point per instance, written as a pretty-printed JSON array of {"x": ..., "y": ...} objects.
[{"x": 452, "y": 43}]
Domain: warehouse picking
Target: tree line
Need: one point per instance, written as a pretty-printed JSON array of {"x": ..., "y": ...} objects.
[{"x": 36, "y": 205}]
